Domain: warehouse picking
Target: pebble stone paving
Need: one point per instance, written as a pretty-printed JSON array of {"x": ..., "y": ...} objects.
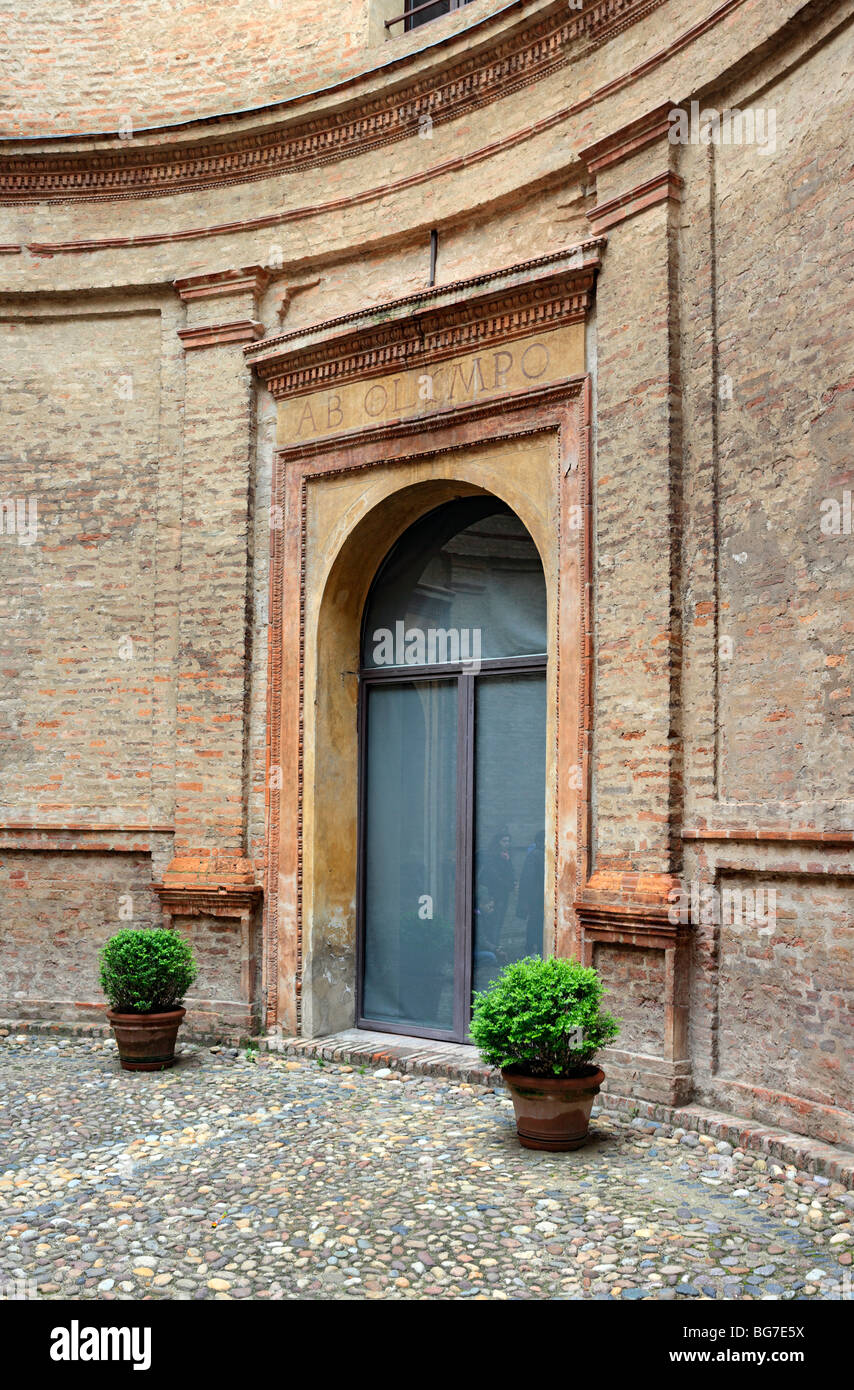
[{"x": 247, "y": 1177}]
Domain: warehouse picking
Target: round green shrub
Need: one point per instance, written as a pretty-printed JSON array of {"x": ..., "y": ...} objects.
[
  {"x": 542, "y": 1018},
  {"x": 146, "y": 971}
]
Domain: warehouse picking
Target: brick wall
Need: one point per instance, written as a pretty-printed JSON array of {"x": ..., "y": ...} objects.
[
  {"x": 634, "y": 984},
  {"x": 768, "y": 368},
  {"x": 58, "y": 910},
  {"x": 182, "y": 59},
  {"x": 77, "y": 594},
  {"x": 722, "y": 372},
  {"x": 786, "y": 589},
  {"x": 785, "y": 1004}
]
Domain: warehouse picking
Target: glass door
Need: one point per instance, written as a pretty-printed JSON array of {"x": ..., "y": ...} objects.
[
  {"x": 509, "y": 821},
  {"x": 410, "y": 855},
  {"x": 453, "y": 853},
  {"x": 452, "y": 782}
]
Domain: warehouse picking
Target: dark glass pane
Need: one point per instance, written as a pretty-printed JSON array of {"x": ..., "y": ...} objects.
[
  {"x": 509, "y": 838},
  {"x": 433, "y": 11},
  {"x": 410, "y": 854},
  {"x": 465, "y": 583}
]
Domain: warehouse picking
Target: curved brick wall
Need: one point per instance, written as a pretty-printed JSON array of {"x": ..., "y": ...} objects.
[
  {"x": 72, "y": 67},
  {"x": 137, "y": 473}
]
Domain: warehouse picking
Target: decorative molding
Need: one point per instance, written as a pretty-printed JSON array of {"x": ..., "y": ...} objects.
[
  {"x": 514, "y": 62},
  {"x": 73, "y": 827},
  {"x": 626, "y": 924},
  {"x": 380, "y": 193},
  {"x": 427, "y": 328},
  {"x": 629, "y": 139},
  {"x": 273, "y": 742},
  {"x": 665, "y": 187},
  {"x": 780, "y": 836},
  {"x": 252, "y": 279},
  {"x": 581, "y": 256},
  {"x": 199, "y": 902},
  {"x": 213, "y": 335},
  {"x": 464, "y": 162},
  {"x": 584, "y": 747}
]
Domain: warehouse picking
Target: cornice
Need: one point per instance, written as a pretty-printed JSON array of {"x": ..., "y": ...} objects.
[
  {"x": 419, "y": 329},
  {"x": 629, "y": 139},
  {"x": 213, "y": 335},
  {"x": 517, "y": 60},
  {"x": 196, "y": 902},
  {"x": 252, "y": 279},
  {"x": 663, "y": 188}
]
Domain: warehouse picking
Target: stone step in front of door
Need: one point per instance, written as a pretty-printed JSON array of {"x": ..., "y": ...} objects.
[{"x": 398, "y": 1052}]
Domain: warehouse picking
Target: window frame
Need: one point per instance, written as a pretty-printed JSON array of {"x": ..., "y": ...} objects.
[{"x": 413, "y": 6}]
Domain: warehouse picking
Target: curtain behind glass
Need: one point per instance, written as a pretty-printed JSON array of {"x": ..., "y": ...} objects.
[
  {"x": 410, "y": 854},
  {"x": 509, "y": 839}
]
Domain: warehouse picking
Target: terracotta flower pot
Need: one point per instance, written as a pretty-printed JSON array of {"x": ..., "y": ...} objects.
[
  {"x": 553, "y": 1112},
  {"x": 146, "y": 1042}
]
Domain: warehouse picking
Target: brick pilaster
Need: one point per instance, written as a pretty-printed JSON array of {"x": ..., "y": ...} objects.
[{"x": 216, "y": 558}]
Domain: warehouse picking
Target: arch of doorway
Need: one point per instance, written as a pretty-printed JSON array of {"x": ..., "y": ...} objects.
[{"x": 349, "y": 530}]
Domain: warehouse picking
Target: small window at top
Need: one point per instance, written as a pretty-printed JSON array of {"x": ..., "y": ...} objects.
[
  {"x": 419, "y": 12},
  {"x": 462, "y": 584}
]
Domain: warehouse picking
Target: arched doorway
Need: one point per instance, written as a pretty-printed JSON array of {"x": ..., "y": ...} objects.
[{"x": 452, "y": 766}]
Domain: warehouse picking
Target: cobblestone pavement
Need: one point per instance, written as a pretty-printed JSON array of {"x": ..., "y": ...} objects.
[{"x": 273, "y": 1178}]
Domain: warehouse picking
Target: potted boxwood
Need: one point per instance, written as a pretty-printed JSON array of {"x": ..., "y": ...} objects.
[
  {"x": 542, "y": 1023},
  {"x": 145, "y": 973}
]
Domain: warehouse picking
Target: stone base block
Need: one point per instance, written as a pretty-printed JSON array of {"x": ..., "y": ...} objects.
[{"x": 646, "y": 1078}]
